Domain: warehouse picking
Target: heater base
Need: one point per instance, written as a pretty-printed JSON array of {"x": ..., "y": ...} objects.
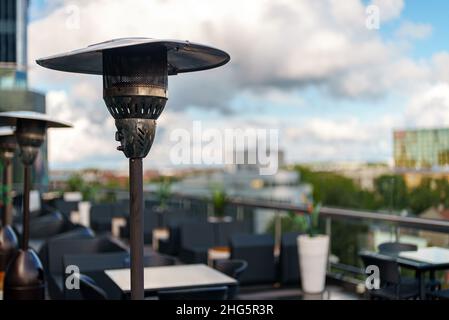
[
  {"x": 8, "y": 246},
  {"x": 24, "y": 278}
]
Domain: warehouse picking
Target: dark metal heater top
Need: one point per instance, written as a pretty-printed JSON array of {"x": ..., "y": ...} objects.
[
  {"x": 135, "y": 82},
  {"x": 8, "y": 143},
  {"x": 30, "y": 129},
  {"x": 135, "y": 79}
]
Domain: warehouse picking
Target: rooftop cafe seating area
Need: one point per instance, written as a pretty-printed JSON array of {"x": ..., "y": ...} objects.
[
  {"x": 182, "y": 236},
  {"x": 61, "y": 243}
]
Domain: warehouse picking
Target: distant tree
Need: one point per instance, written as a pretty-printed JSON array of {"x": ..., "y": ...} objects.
[
  {"x": 392, "y": 192},
  {"x": 332, "y": 189},
  {"x": 425, "y": 195}
]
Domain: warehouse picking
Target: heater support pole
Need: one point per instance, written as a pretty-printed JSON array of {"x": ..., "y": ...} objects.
[
  {"x": 6, "y": 216},
  {"x": 26, "y": 207},
  {"x": 136, "y": 227}
]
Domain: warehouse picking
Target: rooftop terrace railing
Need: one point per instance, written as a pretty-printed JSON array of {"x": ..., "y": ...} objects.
[{"x": 338, "y": 213}]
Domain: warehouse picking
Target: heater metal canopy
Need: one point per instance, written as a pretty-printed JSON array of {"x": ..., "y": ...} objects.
[
  {"x": 11, "y": 118},
  {"x": 8, "y": 140},
  {"x": 6, "y": 131},
  {"x": 182, "y": 56}
]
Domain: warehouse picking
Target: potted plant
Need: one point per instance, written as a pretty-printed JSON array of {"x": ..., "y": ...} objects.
[
  {"x": 86, "y": 191},
  {"x": 163, "y": 196},
  {"x": 313, "y": 251},
  {"x": 219, "y": 199}
]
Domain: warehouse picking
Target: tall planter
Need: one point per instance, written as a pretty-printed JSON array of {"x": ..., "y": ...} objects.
[
  {"x": 84, "y": 213},
  {"x": 313, "y": 255}
]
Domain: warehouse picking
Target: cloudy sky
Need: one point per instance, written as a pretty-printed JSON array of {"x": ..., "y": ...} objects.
[{"x": 334, "y": 88}]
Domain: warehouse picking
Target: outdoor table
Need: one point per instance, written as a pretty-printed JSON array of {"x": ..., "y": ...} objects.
[
  {"x": 423, "y": 260},
  {"x": 217, "y": 253},
  {"x": 172, "y": 278}
]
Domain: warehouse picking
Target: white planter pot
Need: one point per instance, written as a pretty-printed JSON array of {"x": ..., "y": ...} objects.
[
  {"x": 214, "y": 219},
  {"x": 313, "y": 254},
  {"x": 84, "y": 213}
]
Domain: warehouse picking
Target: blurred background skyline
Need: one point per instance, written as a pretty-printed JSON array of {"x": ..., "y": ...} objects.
[
  {"x": 333, "y": 88},
  {"x": 361, "y": 110}
]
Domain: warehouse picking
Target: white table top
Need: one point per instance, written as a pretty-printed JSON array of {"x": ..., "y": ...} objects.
[
  {"x": 434, "y": 255},
  {"x": 172, "y": 277}
]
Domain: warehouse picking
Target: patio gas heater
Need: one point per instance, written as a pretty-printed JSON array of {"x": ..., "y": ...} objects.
[
  {"x": 135, "y": 76},
  {"x": 24, "y": 278},
  {"x": 8, "y": 238}
]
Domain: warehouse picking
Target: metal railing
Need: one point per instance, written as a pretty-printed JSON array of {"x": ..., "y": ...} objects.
[{"x": 338, "y": 213}]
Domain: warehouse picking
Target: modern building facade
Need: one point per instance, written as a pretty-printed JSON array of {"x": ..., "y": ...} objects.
[
  {"x": 14, "y": 92},
  {"x": 422, "y": 149},
  {"x": 13, "y": 40}
]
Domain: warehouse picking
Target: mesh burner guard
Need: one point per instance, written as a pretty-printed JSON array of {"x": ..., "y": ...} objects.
[
  {"x": 135, "y": 92},
  {"x": 135, "y": 82}
]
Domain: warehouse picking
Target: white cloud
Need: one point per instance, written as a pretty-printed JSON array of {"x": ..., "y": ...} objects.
[
  {"x": 389, "y": 9},
  {"x": 429, "y": 107},
  {"x": 272, "y": 43},
  {"x": 343, "y": 139},
  {"x": 277, "y": 48},
  {"x": 410, "y": 30},
  {"x": 82, "y": 142}
]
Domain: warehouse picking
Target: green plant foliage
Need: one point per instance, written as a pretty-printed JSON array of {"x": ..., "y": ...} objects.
[
  {"x": 307, "y": 222},
  {"x": 332, "y": 189},
  {"x": 77, "y": 183},
  {"x": 163, "y": 193},
  {"x": 392, "y": 192},
  {"x": 219, "y": 199}
]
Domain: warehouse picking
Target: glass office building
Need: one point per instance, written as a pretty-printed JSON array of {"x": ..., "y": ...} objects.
[
  {"x": 13, "y": 40},
  {"x": 423, "y": 149},
  {"x": 14, "y": 92}
]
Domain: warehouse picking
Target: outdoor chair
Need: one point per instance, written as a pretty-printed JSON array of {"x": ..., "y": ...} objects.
[
  {"x": 224, "y": 231},
  {"x": 392, "y": 286},
  {"x": 101, "y": 217},
  {"x": 158, "y": 260},
  {"x": 93, "y": 265},
  {"x": 288, "y": 258},
  {"x": 234, "y": 269},
  {"x": 90, "y": 290},
  {"x": 72, "y": 231},
  {"x": 66, "y": 207},
  {"x": 150, "y": 222},
  {"x": 196, "y": 239},
  {"x": 56, "y": 249},
  {"x": 212, "y": 293},
  {"x": 396, "y": 247},
  {"x": 44, "y": 225},
  {"x": 173, "y": 220},
  {"x": 155, "y": 260},
  {"x": 258, "y": 252}
]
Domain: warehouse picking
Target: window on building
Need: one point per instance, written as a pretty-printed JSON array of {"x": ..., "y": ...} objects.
[{"x": 8, "y": 31}]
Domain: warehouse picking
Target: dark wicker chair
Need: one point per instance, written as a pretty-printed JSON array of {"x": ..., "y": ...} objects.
[
  {"x": 234, "y": 269},
  {"x": 90, "y": 290},
  {"x": 392, "y": 286}
]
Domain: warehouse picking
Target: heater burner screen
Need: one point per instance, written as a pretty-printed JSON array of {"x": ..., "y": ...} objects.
[{"x": 135, "y": 82}]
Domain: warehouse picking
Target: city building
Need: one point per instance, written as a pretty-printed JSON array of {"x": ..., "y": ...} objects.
[
  {"x": 422, "y": 149},
  {"x": 14, "y": 92},
  {"x": 421, "y": 153}
]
